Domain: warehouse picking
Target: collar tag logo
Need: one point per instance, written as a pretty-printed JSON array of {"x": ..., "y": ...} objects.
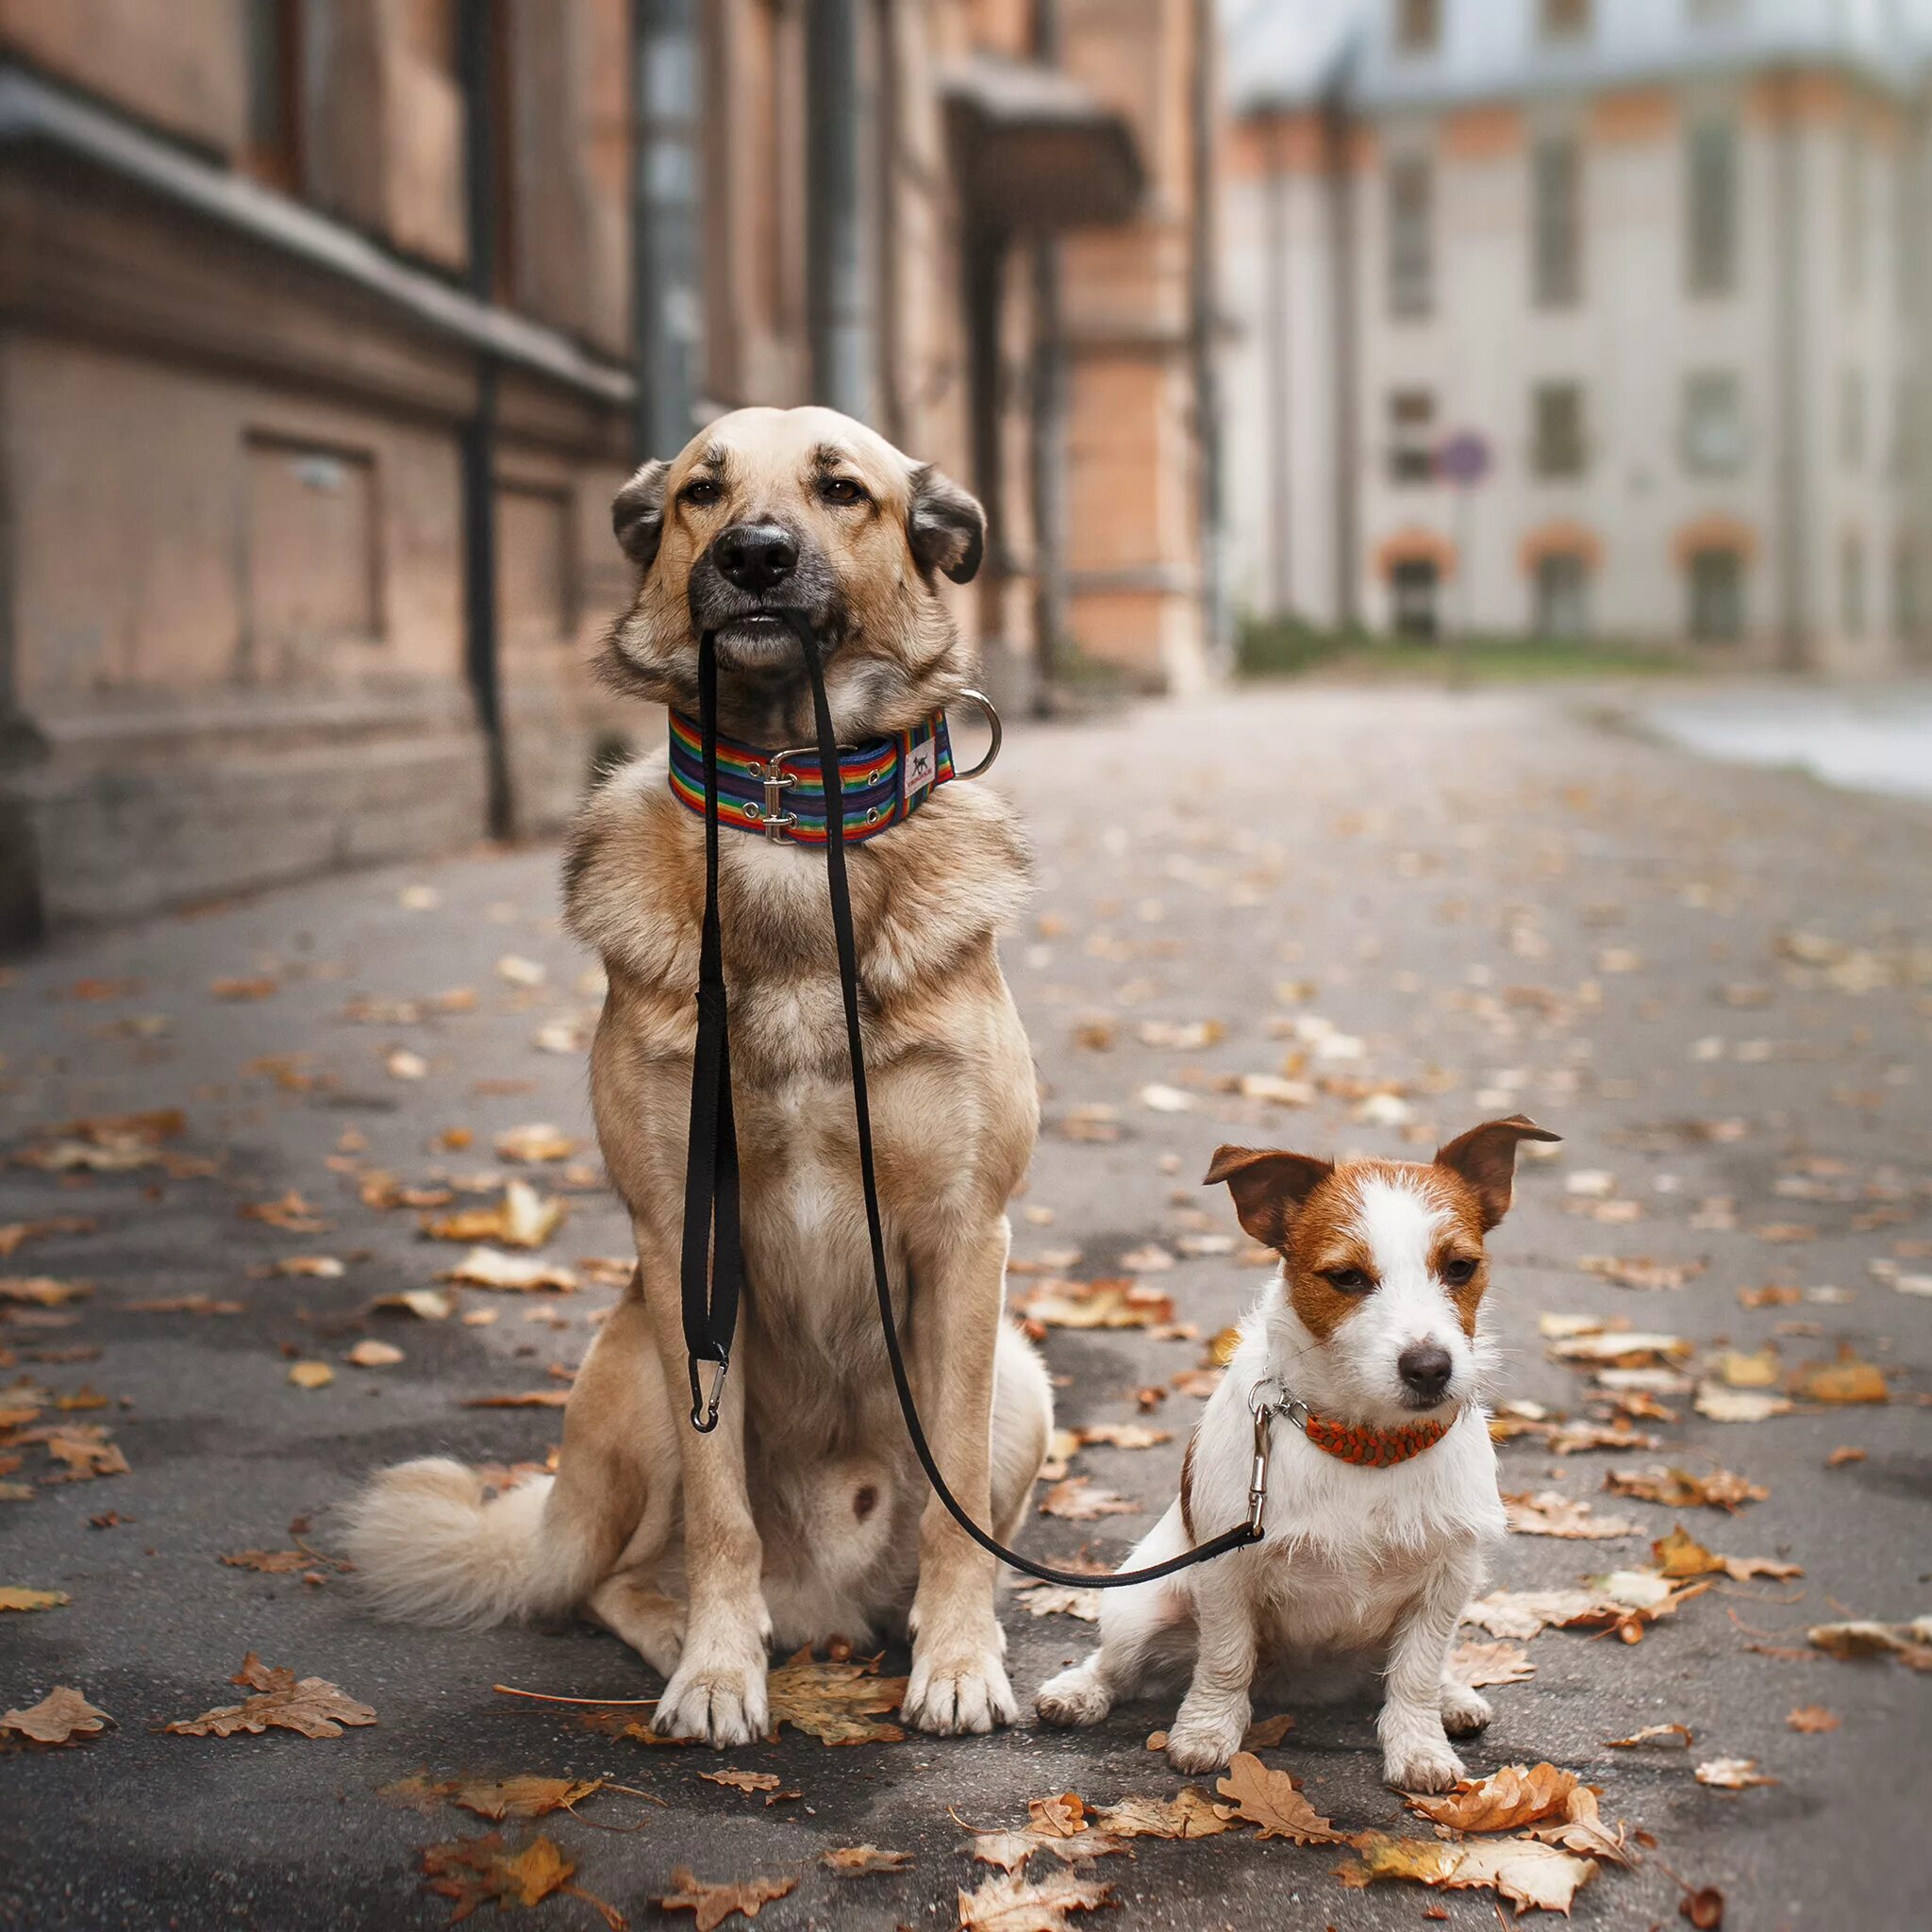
[{"x": 922, "y": 766}]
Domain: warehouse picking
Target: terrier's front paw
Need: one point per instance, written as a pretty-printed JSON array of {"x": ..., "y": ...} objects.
[
  {"x": 1421, "y": 1766},
  {"x": 1464, "y": 1712},
  {"x": 1075, "y": 1698},
  {"x": 959, "y": 1691},
  {"x": 714, "y": 1698},
  {"x": 1203, "y": 1743}
]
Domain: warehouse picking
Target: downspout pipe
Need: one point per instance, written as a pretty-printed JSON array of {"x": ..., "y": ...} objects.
[
  {"x": 836, "y": 304},
  {"x": 475, "y": 65},
  {"x": 1048, "y": 451},
  {"x": 666, "y": 302}
]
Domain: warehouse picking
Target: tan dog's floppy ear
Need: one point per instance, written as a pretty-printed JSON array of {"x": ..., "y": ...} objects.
[
  {"x": 637, "y": 514},
  {"x": 945, "y": 528},
  {"x": 1267, "y": 1186},
  {"x": 1485, "y": 1159}
]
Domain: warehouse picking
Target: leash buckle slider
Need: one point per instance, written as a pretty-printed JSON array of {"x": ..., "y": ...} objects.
[
  {"x": 775, "y": 819},
  {"x": 704, "y": 1411}
]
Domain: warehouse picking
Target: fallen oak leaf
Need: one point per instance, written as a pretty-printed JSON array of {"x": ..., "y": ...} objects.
[
  {"x": 1059, "y": 1824},
  {"x": 526, "y": 1795},
  {"x": 1680, "y": 1555},
  {"x": 1266, "y": 1732},
  {"x": 311, "y": 1705},
  {"x": 1582, "y": 1830},
  {"x": 766, "y": 1781},
  {"x": 1551, "y": 1513},
  {"x": 1188, "y": 1814},
  {"x": 1813, "y": 1720},
  {"x": 1075, "y": 1499},
  {"x": 1731, "y": 1774},
  {"x": 1681, "y": 1490},
  {"x": 1481, "y": 1665},
  {"x": 12, "y": 1597},
  {"x": 61, "y": 1717},
  {"x": 1507, "y": 1799},
  {"x": 1009, "y": 1903},
  {"x": 490, "y": 1268},
  {"x": 1722, "y": 1405},
  {"x": 837, "y": 1703},
  {"x": 1860, "y": 1638},
  {"x": 523, "y": 1219},
  {"x": 1272, "y": 1800},
  {"x": 861, "y": 1862},
  {"x": 1847, "y": 1379},
  {"x": 1523, "y": 1870},
  {"x": 1058, "y": 1600},
  {"x": 1677, "y": 1735},
  {"x": 311, "y": 1375},
  {"x": 715, "y": 1903},
  {"x": 473, "y": 1871}
]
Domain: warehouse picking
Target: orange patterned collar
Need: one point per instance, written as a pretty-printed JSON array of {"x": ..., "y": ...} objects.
[{"x": 1361, "y": 1444}]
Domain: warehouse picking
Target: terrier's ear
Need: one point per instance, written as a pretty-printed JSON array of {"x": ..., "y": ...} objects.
[
  {"x": 945, "y": 528},
  {"x": 1267, "y": 1186},
  {"x": 1485, "y": 1159},
  {"x": 637, "y": 514}
]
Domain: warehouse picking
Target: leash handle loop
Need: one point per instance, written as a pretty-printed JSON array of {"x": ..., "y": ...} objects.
[{"x": 712, "y": 1326}]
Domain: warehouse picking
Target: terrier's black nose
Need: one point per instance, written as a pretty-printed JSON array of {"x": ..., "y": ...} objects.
[
  {"x": 755, "y": 557},
  {"x": 1425, "y": 1367}
]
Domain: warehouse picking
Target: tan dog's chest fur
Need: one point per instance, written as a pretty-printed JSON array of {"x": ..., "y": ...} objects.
[{"x": 804, "y": 1514}]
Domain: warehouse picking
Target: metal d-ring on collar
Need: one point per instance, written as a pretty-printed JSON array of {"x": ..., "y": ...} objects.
[{"x": 992, "y": 724}]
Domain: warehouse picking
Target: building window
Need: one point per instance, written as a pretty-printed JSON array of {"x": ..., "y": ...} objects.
[
  {"x": 1411, "y": 238},
  {"x": 1711, "y": 197},
  {"x": 1563, "y": 20},
  {"x": 1412, "y": 586},
  {"x": 1851, "y": 585},
  {"x": 1419, "y": 26},
  {"x": 1713, "y": 423},
  {"x": 1562, "y": 593},
  {"x": 1557, "y": 439},
  {"x": 1557, "y": 222},
  {"x": 1850, "y": 419},
  {"x": 1412, "y": 436},
  {"x": 1717, "y": 596}
]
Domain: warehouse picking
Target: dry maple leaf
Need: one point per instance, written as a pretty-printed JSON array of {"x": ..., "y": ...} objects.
[
  {"x": 1258, "y": 1795},
  {"x": 1188, "y": 1814},
  {"x": 478, "y": 1870},
  {"x": 1812, "y": 1719},
  {"x": 715, "y": 1903},
  {"x": 1676, "y": 1735},
  {"x": 1731, "y": 1774},
  {"x": 1506, "y": 1800},
  {"x": 1480, "y": 1665},
  {"x": 1551, "y": 1513},
  {"x": 861, "y": 1862},
  {"x": 836, "y": 1702},
  {"x": 1008, "y": 1903},
  {"x": 1721, "y": 1490},
  {"x": 62, "y": 1716},
  {"x": 14, "y": 1598},
  {"x": 313, "y": 1706},
  {"x": 1075, "y": 1499},
  {"x": 1528, "y": 1873}
]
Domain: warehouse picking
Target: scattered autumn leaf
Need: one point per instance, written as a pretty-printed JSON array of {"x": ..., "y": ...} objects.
[
  {"x": 1551, "y": 1513},
  {"x": 61, "y": 1717},
  {"x": 1523, "y": 1870},
  {"x": 313, "y": 1706},
  {"x": 491, "y": 1268},
  {"x": 1722, "y": 1489},
  {"x": 291, "y": 1213},
  {"x": 1111, "y": 1302},
  {"x": 312, "y": 1375},
  {"x": 1678, "y": 1737},
  {"x": 523, "y": 1219},
  {"x": 1731, "y": 1774},
  {"x": 1858, "y": 1639},
  {"x": 269, "y": 1562},
  {"x": 1680, "y": 1555},
  {"x": 715, "y": 1903},
  {"x": 42, "y": 1291},
  {"x": 479, "y": 1870},
  {"x": 371, "y": 1354},
  {"x": 1188, "y": 1814},
  {"x": 1007, "y": 1903},
  {"x": 1847, "y": 1379},
  {"x": 1075, "y": 1499},
  {"x": 12, "y": 1597},
  {"x": 1480, "y": 1665},
  {"x": 1812, "y": 1719},
  {"x": 837, "y": 1703},
  {"x": 861, "y": 1862},
  {"x": 1506, "y": 1800},
  {"x": 1722, "y": 1405},
  {"x": 536, "y": 1143},
  {"x": 1272, "y": 1800}
]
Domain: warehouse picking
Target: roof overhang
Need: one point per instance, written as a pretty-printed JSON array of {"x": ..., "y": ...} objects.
[{"x": 1037, "y": 151}]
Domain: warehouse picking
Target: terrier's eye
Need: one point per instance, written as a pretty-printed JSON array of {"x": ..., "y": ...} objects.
[
  {"x": 701, "y": 490},
  {"x": 1349, "y": 1280},
  {"x": 1459, "y": 1271},
  {"x": 840, "y": 489}
]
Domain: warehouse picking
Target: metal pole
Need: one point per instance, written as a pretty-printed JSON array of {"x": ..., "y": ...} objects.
[
  {"x": 667, "y": 308},
  {"x": 1049, "y": 426},
  {"x": 476, "y": 64},
  {"x": 836, "y": 304},
  {"x": 1277, "y": 382},
  {"x": 1202, "y": 306}
]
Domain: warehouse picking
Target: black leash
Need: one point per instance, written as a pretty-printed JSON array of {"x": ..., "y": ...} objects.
[{"x": 711, "y": 1199}]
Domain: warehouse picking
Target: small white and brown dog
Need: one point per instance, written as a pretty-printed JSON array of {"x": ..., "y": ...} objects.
[{"x": 1366, "y": 1357}]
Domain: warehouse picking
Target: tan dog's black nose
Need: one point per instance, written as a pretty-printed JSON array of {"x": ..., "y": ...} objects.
[
  {"x": 755, "y": 557},
  {"x": 1425, "y": 1367}
]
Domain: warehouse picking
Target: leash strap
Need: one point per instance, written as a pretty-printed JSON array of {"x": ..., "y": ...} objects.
[{"x": 712, "y": 1325}]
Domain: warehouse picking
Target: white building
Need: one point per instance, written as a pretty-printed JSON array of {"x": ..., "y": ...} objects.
[{"x": 1668, "y": 260}]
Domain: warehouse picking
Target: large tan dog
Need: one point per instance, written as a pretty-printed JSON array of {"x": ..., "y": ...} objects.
[{"x": 801, "y": 1516}]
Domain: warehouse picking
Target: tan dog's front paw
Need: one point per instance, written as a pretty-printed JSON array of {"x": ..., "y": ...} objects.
[
  {"x": 1463, "y": 1711},
  {"x": 958, "y": 1692},
  {"x": 716, "y": 1700},
  {"x": 1424, "y": 1766}
]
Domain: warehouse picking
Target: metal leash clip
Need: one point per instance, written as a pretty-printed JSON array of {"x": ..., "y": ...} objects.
[
  {"x": 1264, "y": 1412},
  {"x": 704, "y": 1415}
]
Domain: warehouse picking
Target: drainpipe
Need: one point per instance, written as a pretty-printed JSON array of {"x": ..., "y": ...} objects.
[
  {"x": 475, "y": 65},
  {"x": 1203, "y": 308},
  {"x": 836, "y": 301},
  {"x": 1336, "y": 130},
  {"x": 1277, "y": 386},
  {"x": 667, "y": 310},
  {"x": 1048, "y": 451},
  {"x": 1794, "y": 531}
]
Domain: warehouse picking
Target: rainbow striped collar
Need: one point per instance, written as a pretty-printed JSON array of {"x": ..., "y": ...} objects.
[{"x": 782, "y": 794}]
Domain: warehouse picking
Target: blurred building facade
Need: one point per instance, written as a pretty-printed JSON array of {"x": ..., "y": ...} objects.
[
  {"x": 329, "y": 327},
  {"x": 1665, "y": 261}
]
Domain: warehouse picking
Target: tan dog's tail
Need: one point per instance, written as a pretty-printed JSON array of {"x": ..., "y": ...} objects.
[{"x": 430, "y": 1547}]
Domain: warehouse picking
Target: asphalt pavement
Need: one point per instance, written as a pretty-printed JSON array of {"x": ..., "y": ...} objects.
[{"x": 1323, "y": 918}]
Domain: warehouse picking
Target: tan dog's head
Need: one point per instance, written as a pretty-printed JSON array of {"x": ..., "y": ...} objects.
[
  {"x": 1383, "y": 1264},
  {"x": 794, "y": 509}
]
